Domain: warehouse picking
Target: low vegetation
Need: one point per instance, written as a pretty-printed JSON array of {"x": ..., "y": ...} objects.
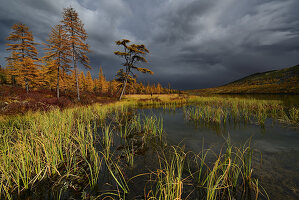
[
  {"x": 284, "y": 81},
  {"x": 92, "y": 151}
]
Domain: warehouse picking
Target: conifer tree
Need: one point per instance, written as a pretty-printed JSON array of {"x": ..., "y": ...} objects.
[
  {"x": 12, "y": 69},
  {"x": 120, "y": 78},
  {"x": 24, "y": 54},
  {"x": 77, "y": 40},
  {"x": 89, "y": 82},
  {"x": 3, "y": 75},
  {"x": 95, "y": 85},
  {"x": 159, "y": 88},
  {"x": 48, "y": 74},
  {"x": 132, "y": 54},
  {"x": 148, "y": 89},
  {"x": 58, "y": 54},
  {"x": 110, "y": 89},
  {"x": 141, "y": 88},
  {"x": 101, "y": 81},
  {"x": 82, "y": 81},
  {"x": 73, "y": 85},
  {"x": 65, "y": 81}
]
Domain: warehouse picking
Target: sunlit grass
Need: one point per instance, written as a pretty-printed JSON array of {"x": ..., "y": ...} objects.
[{"x": 77, "y": 145}]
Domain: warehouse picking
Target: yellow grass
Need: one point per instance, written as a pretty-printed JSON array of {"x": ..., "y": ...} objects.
[{"x": 162, "y": 97}]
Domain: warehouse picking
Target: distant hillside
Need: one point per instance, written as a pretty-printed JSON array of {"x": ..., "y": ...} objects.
[{"x": 271, "y": 82}]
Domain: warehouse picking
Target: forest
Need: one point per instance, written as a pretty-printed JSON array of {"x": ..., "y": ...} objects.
[{"x": 59, "y": 68}]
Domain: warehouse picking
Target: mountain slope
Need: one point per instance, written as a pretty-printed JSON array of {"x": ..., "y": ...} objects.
[{"x": 271, "y": 82}]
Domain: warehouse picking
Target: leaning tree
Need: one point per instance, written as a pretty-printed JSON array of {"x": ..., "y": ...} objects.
[
  {"x": 132, "y": 54},
  {"x": 120, "y": 78}
]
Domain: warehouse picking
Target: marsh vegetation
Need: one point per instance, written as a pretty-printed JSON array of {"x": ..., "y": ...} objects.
[{"x": 123, "y": 151}]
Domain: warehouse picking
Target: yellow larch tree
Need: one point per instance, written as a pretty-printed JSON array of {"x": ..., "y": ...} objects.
[
  {"x": 12, "y": 69},
  {"x": 89, "y": 82},
  {"x": 82, "y": 81},
  {"x": 159, "y": 88},
  {"x": 58, "y": 54},
  {"x": 24, "y": 55},
  {"x": 48, "y": 74},
  {"x": 95, "y": 85},
  {"x": 77, "y": 41},
  {"x": 102, "y": 83}
]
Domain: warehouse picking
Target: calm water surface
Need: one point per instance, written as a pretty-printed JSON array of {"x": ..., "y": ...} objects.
[{"x": 276, "y": 162}]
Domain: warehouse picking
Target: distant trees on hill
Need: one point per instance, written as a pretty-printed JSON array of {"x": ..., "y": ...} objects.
[{"x": 58, "y": 68}]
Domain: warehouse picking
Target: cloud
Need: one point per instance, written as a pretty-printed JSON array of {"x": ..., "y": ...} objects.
[{"x": 193, "y": 43}]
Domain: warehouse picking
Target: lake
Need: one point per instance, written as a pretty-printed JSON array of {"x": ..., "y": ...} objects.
[{"x": 276, "y": 147}]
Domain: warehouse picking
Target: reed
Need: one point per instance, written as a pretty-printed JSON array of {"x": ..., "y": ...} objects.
[
  {"x": 107, "y": 138},
  {"x": 169, "y": 177},
  {"x": 64, "y": 145}
]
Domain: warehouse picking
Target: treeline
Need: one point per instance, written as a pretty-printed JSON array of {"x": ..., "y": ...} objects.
[
  {"x": 58, "y": 69},
  {"x": 98, "y": 86}
]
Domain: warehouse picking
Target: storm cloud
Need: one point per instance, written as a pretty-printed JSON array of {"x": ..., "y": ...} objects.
[{"x": 193, "y": 43}]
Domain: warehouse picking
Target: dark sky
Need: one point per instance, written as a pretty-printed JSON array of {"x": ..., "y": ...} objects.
[{"x": 193, "y": 43}]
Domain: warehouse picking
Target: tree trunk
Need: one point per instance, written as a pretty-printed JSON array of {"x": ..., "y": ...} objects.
[
  {"x": 27, "y": 87},
  {"x": 124, "y": 88},
  {"x": 125, "y": 83},
  {"x": 57, "y": 83},
  {"x": 77, "y": 82}
]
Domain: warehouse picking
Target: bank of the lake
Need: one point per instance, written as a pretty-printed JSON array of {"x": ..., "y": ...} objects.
[{"x": 102, "y": 151}]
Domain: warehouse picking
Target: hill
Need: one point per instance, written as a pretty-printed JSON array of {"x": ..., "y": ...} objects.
[{"x": 284, "y": 81}]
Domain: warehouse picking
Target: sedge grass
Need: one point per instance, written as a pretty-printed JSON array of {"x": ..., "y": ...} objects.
[{"x": 62, "y": 144}]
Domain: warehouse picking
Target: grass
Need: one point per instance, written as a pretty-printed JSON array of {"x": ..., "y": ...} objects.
[
  {"x": 169, "y": 176},
  {"x": 76, "y": 149},
  {"x": 223, "y": 110}
]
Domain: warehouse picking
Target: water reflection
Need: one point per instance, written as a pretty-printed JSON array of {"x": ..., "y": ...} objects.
[{"x": 277, "y": 145}]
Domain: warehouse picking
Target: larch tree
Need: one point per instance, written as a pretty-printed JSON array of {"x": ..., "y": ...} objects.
[
  {"x": 148, "y": 89},
  {"x": 73, "y": 85},
  {"x": 101, "y": 82},
  {"x": 12, "y": 69},
  {"x": 24, "y": 54},
  {"x": 112, "y": 87},
  {"x": 58, "y": 54},
  {"x": 82, "y": 81},
  {"x": 159, "y": 88},
  {"x": 77, "y": 40},
  {"x": 89, "y": 82},
  {"x": 132, "y": 54},
  {"x": 120, "y": 78},
  {"x": 47, "y": 73},
  {"x": 3, "y": 75}
]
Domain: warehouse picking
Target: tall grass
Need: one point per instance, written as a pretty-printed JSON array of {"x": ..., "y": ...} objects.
[
  {"x": 169, "y": 177},
  {"x": 66, "y": 146},
  {"x": 58, "y": 144},
  {"x": 223, "y": 111}
]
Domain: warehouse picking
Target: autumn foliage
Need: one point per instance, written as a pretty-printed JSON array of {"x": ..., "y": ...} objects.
[
  {"x": 23, "y": 59},
  {"x": 65, "y": 52}
]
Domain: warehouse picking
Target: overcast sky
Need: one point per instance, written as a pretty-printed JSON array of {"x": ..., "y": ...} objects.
[{"x": 192, "y": 43}]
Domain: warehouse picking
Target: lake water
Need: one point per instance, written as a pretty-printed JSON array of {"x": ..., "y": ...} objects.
[
  {"x": 275, "y": 161},
  {"x": 276, "y": 147}
]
